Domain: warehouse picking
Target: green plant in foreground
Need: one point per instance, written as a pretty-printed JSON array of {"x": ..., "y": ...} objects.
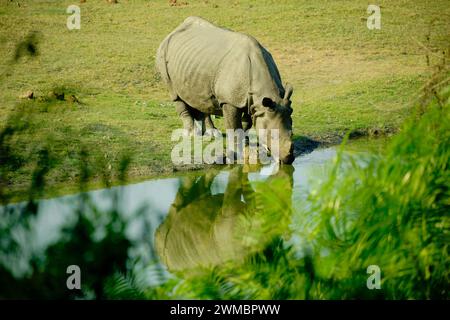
[
  {"x": 389, "y": 211},
  {"x": 393, "y": 212}
]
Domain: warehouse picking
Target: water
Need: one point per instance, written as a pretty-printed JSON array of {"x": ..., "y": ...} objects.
[{"x": 155, "y": 228}]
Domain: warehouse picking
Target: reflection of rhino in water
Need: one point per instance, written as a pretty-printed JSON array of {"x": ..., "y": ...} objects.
[{"x": 205, "y": 229}]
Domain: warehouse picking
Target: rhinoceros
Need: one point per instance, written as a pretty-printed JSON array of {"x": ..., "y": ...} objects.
[
  {"x": 206, "y": 229},
  {"x": 215, "y": 71}
]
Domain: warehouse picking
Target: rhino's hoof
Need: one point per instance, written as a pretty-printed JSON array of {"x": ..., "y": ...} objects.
[
  {"x": 187, "y": 132},
  {"x": 197, "y": 132},
  {"x": 221, "y": 159},
  {"x": 192, "y": 132},
  {"x": 213, "y": 132}
]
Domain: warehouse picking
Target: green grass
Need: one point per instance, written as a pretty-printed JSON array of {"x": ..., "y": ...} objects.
[{"x": 345, "y": 76}]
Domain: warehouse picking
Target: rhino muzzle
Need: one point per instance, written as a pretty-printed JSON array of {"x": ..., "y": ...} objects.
[
  {"x": 287, "y": 153},
  {"x": 289, "y": 158}
]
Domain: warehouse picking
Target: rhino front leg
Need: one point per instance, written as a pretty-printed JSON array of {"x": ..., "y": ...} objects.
[
  {"x": 232, "y": 118},
  {"x": 186, "y": 117}
]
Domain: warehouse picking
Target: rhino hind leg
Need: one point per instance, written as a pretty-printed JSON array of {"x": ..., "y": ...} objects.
[
  {"x": 207, "y": 127},
  {"x": 211, "y": 130},
  {"x": 186, "y": 116},
  {"x": 189, "y": 115}
]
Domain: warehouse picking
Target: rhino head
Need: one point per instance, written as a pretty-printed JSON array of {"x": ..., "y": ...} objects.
[{"x": 268, "y": 114}]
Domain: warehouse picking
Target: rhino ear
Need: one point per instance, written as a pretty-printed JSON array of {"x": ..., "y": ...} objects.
[
  {"x": 288, "y": 103},
  {"x": 288, "y": 90},
  {"x": 268, "y": 103}
]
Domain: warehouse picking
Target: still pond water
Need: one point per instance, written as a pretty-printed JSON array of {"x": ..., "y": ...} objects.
[{"x": 155, "y": 228}]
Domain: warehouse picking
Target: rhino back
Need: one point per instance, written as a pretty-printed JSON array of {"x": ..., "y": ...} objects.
[{"x": 205, "y": 65}]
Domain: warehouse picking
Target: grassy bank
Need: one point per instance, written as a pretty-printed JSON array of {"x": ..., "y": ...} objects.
[{"x": 345, "y": 76}]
